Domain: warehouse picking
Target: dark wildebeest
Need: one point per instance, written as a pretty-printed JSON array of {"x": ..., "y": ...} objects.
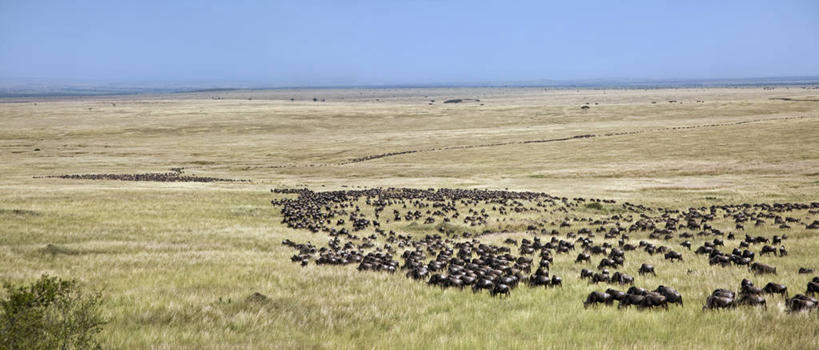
[
  {"x": 597, "y": 298},
  {"x": 751, "y": 290},
  {"x": 583, "y": 257},
  {"x": 601, "y": 277},
  {"x": 671, "y": 295},
  {"x": 637, "y": 290},
  {"x": 724, "y": 293},
  {"x": 718, "y": 302},
  {"x": 616, "y": 294},
  {"x": 776, "y": 288},
  {"x": 539, "y": 280},
  {"x": 622, "y": 278},
  {"x": 813, "y": 288},
  {"x": 556, "y": 282},
  {"x": 646, "y": 269},
  {"x": 762, "y": 268},
  {"x": 631, "y": 299},
  {"x": 500, "y": 289},
  {"x": 801, "y": 302},
  {"x": 482, "y": 284},
  {"x": 606, "y": 262},
  {"x": 672, "y": 255},
  {"x": 752, "y": 300},
  {"x": 805, "y": 270},
  {"x": 767, "y": 249},
  {"x": 654, "y": 299}
]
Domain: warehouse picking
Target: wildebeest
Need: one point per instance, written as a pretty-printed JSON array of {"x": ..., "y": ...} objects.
[
  {"x": 718, "y": 302},
  {"x": 606, "y": 262},
  {"x": 583, "y": 257},
  {"x": 482, "y": 284},
  {"x": 499, "y": 290},
  {"x": 631, "y": 299},
  {"x": 654, "y": 299},
  {"x": 762, "y": 268},
  {"x": 601, "y": 277},
  {"x": 616, "y": 294},
  {"x": 556, "y": 281},
  {"x": 752, "y": 300},
  {"x": 801, "y": 302},
  {"x": 672, "y": 255},
  {"x": 767, "y": 249},
  {"x": 750, "y": 289},
  {"x": 595, "y": 298},
  {"x": 776, "y": 288},
  {"x": 671, "y": 294},
  {"x": 813, "y": 288},
  {"x": 805, "y": 270},
  {"x": 621, "y": 278},
  {"x": 646, "y": 269}
]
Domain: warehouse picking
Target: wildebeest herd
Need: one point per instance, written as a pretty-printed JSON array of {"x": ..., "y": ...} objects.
[
  {"x": 441, "y": 243},
  {"x": 175, "y": 175}
]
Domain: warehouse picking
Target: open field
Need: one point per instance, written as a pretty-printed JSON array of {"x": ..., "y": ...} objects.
[{"x": 177, "y": 260}]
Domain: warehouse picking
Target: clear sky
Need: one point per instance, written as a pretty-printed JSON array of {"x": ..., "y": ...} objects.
[{"x": 309, "y": 43}]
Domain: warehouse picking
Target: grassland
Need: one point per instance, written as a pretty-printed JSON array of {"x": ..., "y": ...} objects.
[{"x": 178, "y": 260}]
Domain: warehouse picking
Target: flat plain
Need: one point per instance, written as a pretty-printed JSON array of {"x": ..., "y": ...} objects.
[{"x": 178, "y": 260}]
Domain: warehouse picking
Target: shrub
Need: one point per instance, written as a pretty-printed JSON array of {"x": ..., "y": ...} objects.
[
  {"x": 49, "y": 314},
  {"x": 594, "y": 205}
]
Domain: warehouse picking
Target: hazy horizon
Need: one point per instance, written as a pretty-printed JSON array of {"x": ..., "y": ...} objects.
[{"x": 364, "y": 43}]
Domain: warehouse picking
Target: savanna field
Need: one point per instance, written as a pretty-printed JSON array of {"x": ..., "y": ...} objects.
[{"x": 179, "y": 208}]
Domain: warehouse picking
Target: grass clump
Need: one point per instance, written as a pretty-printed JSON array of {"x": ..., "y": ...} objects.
[
  {"x": 594, "y": 205},
  {"x": 50, "y": 313}
]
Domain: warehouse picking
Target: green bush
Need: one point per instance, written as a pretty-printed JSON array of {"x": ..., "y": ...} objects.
[
  {"x": 49, "y": 314},
  {"x": 594, "y": 205}
]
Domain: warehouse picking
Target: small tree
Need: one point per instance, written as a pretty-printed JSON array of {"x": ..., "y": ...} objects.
[{"x": 50, "y": 314}]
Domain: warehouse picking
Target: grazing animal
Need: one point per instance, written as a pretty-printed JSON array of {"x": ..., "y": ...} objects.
[
  {"x": 646, "y": 269},
  {"x": 718, "y": 302},
  {"x": 482, "y": 284},
  {"x": 499, "y": 290},
  {"x": 776, "y": 288},
  {"x": 622, "y": 278},
  {"x": 813, "y": 288},
  {"x": 752, "y": 300},
  {"x": 762, "y": 268},
  {"x": 654, "y": 299},
  {"x": 805, "y": 270},
  {"x": 672, "y": 255},
  {"x": 595, "y": 298},
  {"x": 606, "y": 262},
  {"x": 767, "y": 249},
  {"x": 671, "y": 294},
  {"x": 616, "y": 294},
  {"x": 556, "y": 282},
  {"x": 801, "y": 302},
  {"x": 601, "y": 277},
  {"x": 631, "y": 299}
]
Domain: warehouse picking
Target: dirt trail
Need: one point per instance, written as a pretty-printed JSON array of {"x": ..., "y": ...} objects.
[{"x": 559, "y": 139}]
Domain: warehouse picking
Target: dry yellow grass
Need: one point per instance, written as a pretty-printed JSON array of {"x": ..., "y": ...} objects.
[{"x": 177, "y": 260}]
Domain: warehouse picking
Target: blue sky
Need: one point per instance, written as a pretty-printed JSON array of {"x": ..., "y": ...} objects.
[{"x": 309, "y": 43}]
